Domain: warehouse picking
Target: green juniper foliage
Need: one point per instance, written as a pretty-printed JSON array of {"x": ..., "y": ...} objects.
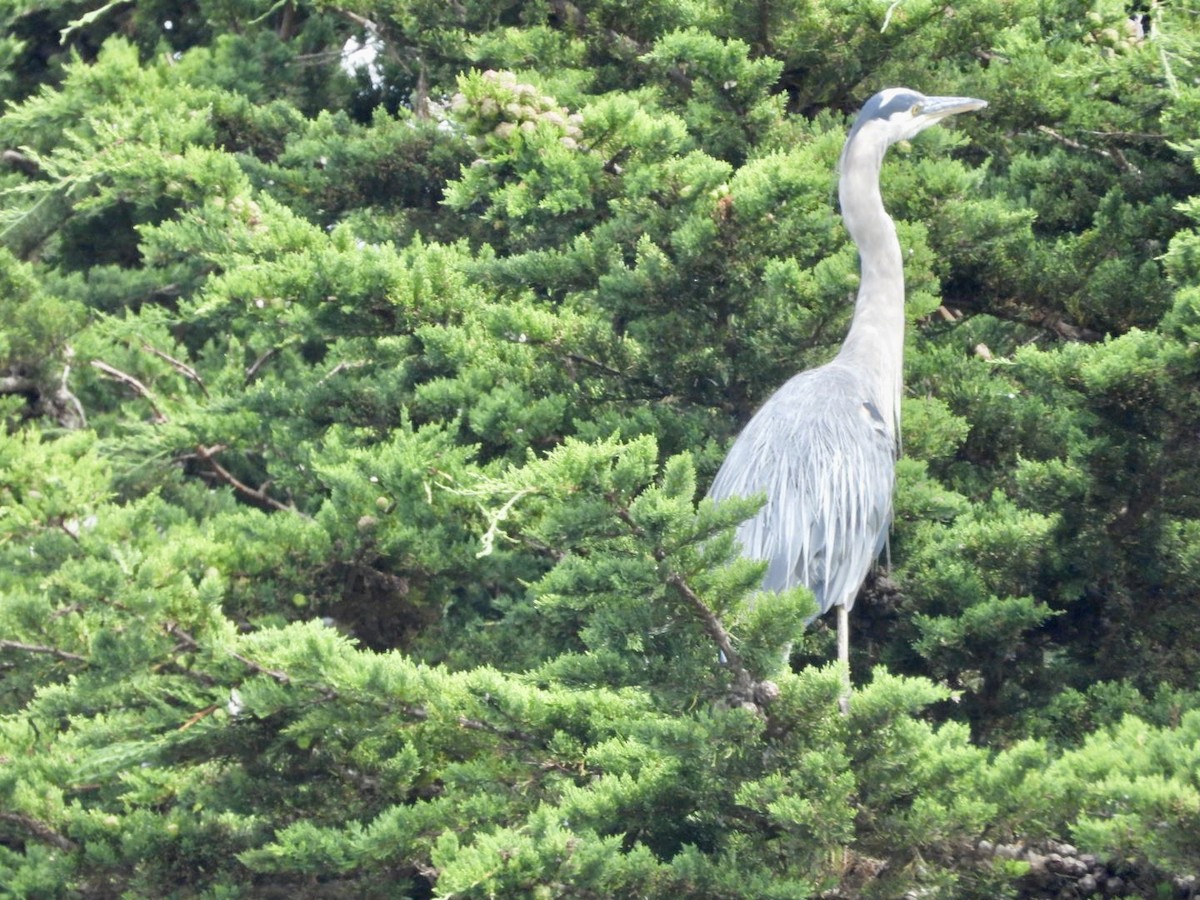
[{"x": 355, "y": 423}]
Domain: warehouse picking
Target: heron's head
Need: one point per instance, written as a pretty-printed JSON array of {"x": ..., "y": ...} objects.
[{"x": 897, "y": 114}]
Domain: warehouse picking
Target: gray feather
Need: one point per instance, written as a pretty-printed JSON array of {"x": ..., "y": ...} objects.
[{"x": 824, "y": 456}]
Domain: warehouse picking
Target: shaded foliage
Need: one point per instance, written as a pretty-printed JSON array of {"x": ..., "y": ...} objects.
[{"x": 355, "y": 420}]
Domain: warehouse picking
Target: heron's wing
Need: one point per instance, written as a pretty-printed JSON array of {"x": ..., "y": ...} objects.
[{"x": 824, "y": 455}]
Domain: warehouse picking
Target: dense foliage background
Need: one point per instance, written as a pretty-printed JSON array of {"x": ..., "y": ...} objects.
[{"x": 357, "y": 411}]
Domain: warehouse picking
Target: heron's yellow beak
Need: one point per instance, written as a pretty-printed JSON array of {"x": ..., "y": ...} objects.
[{"x": 940, "y": 107}]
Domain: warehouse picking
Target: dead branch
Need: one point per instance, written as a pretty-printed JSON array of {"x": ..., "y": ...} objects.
[
  {"x": 745, "y": 688},
  {"x": 131, "y": 382},
  {"x": 1115, "y": 155},
  {"x": 343, "y": 366},
  {"x": 17, "y": 384},
  {"x": 40, "y": 830},
  {"x": 361, "y": 21},
  {"x": 287, "y": 22},
  {"x": 38, "y": 648},
  {"x": 26, "y": 165},
  {"x": 192, "y": 644},
  {"x": 1013, "y": 311},
  {"x": 252, "y": 371},
  {"x": 59, "y": 404},
  {"x": 594, "y": 363},
  {"x": 69, "y": 410},
  {"x": 421, "y": 714},
  {"x": 179, "y": 366},
  {"x": 714, "y": 628},
  {"x": 1129, "y": 135},
  {"x": 259, "y": 495},
  {"x": 202, "y": 714}
]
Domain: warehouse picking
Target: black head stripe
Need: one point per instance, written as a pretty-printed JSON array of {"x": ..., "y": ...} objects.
[{"x": 881, "y": 106}]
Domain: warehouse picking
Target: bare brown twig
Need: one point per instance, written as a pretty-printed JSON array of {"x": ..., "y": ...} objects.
[
  {"x": 129, "y": 381},
  {"x": 1115, "y": 155},
  {"x": 179, "y": 366},
  {"x": 594, "y": 363},
  {"x": 252, "y": 371},
  {"x": 1014, "y": 311},
  {"x": 713, "y": 626},
  {"x": 38, "y": 648},
  {"x": 259, "y": 494},
  {"x": 343, "y": 366},
  {"x": 192, "y": 644},
  {"x": 745, "y": 688},
  {"x": 199, "y": 716},
  {"x": 361, "y": 21}
]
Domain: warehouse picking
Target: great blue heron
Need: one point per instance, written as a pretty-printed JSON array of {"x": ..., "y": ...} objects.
[{"x": 823, "y": 446}]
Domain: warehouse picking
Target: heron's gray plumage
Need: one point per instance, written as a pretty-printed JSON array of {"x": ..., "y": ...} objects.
[
  {"x": 823, "y": 447},
  {"x": 822, "y": 452}
]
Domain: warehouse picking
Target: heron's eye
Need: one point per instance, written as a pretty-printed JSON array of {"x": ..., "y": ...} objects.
[{"x": 915, "y": 109}]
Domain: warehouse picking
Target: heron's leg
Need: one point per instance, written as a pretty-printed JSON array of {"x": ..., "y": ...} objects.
[{"x": 843, "y": 645}]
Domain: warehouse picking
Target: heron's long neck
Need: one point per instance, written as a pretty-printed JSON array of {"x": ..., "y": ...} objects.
[{"x": 875, "y": 344}]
